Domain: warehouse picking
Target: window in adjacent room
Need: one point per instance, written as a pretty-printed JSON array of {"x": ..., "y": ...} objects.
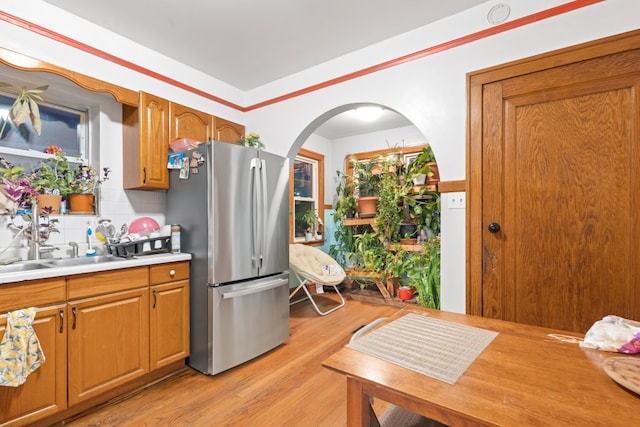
[{"x": 306, "y": 193}]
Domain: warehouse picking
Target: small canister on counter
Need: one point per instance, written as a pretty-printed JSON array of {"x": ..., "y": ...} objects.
[{"x": 175, "y": 238}]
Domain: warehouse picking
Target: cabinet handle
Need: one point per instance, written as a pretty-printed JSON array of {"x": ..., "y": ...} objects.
[
  {"x": 73, "y": 311},
  {"x": 155, "y": 292},
  {"x": 144, "y": 175},
  {"x": 172, "y": 273},
  {"x": 61, "y": 315}
]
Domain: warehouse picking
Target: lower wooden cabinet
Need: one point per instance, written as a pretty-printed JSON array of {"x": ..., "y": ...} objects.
[
  {"x": 45, "y": 391},
  {"x": 108, "y": 342},
  {"x": 98, "y": 331}
]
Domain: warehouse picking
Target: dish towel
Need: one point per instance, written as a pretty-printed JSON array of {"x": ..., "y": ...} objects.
[{"x": 20, "y": 351}]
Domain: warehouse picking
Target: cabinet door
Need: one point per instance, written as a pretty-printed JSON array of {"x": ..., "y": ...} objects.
[
  {"x": 108, "y": 342},
  {"x": 169, "y": 323},
  {"x": 45, "y": 391},
  {"x": 146, "y": 143},
  {"x": 227, "y": 131},
  {"x": 186, "y": 122}
]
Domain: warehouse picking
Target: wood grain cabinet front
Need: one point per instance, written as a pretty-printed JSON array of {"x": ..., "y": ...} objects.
[
  {"x": 108, "y": 342},
  {"x": 226, "y": 130},
  {"x": 44, "y": 393},
  {"x": 169, "y": 313},
  {"x": 145, "y": 132},
  {"x": 186, "y": 122}
]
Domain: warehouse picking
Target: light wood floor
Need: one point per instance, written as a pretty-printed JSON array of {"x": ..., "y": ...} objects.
[{"x": 285, "y": 387}]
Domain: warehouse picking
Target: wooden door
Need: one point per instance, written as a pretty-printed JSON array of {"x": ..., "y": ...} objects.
[
  {"x": 189, "y": 123},
  {"x": 45, "y": 391},
  {"x": 108, "y": 342},
  {"x": 554, "y": 160}
]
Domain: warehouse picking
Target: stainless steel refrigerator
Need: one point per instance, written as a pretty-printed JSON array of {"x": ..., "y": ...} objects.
[{"x": 231, "y": 203}]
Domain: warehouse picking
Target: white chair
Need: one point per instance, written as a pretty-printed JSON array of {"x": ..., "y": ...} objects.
[{"x": 311, "y": 265}]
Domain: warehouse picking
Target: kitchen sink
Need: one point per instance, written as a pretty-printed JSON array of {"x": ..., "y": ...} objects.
[
  {"x": 23, "y": 266},
  {"x": 87, "y": 260}
]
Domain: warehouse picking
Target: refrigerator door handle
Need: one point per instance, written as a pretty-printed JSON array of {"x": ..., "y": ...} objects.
[
  {"x": 255, "y": 289},
  {"x": 255, "y": 213},
  {"x": 263, "y": 211}
]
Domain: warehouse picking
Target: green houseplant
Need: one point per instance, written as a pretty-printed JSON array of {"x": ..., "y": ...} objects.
[
  {"x": 85, "y": 181},
  {"x": 251, "y": 140},
  {"x": 423, "y": 273},
  {"x": 310, "y": 217},
  {"x": 15, "y": 188},
  {"x": 345, "y": 205},
  {"x": 51, "y": 180},
  {"x": 389, "y": 211},
  {"x": 367, "y": 185}
]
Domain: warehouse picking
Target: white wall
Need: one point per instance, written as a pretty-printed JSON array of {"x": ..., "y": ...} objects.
[{"x": 431, "y": 91}]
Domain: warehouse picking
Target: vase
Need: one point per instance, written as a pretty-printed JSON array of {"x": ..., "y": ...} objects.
[
  {"x": 81, "y": 203},
  {"x": 51, "y": 201}
]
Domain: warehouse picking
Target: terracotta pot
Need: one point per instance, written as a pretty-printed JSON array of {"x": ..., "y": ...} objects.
[
  {"x": 405, "y": 293},
  {"x": 367, "y": 206},
  {"x": 81, "y": 203},
  {"x": 49, "y": 201}
]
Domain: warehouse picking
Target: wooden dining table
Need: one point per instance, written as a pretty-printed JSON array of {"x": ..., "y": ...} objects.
[{"x": 526, "y": 376}]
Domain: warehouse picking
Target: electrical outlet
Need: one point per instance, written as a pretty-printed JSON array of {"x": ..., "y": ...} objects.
[{"x": 457, "y": 201}]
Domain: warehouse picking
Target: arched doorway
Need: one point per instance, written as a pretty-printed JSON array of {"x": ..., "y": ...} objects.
[{"x": 329, "y": 140}]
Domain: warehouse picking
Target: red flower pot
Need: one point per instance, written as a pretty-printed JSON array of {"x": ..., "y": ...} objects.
[{"x": 405, "y": 293}]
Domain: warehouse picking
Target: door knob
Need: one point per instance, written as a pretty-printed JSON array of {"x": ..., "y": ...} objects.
[{"x": 494, "y": 227}]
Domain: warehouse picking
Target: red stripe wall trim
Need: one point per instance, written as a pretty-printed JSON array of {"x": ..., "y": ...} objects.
[{"x": 539, "y": 16}]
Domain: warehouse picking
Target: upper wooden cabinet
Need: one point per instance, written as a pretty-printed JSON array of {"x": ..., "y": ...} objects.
[
  {"x": 145, "y": 131},
  {"x": 227, "y": 131},
  {"x": 186, "y": 122}
]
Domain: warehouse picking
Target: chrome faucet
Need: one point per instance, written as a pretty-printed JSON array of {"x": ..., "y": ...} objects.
[
  {"x": 35, "y": 247},
  {"x": 74, "y": 248}
]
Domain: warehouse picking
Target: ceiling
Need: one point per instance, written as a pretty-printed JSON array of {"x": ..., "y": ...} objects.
[{"x": 249, "y": 43}]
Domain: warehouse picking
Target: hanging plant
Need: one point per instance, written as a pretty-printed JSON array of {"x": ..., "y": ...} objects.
[{"x": 24, "y": 107}]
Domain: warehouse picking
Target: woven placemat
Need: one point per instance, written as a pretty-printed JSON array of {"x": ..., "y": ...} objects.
[{"x": 436, "y": 348}]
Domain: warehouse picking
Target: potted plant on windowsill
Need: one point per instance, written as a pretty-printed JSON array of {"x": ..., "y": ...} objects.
[
  {"x": 312, "y": 220},
  {"x": 51, "y": 180},
  {"x": 85, "y": 180}
]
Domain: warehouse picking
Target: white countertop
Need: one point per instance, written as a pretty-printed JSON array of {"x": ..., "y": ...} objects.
[{"x": 44, "y": 273}]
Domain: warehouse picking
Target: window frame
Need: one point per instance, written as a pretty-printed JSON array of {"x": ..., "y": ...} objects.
[{"x": 318, "y": 190}]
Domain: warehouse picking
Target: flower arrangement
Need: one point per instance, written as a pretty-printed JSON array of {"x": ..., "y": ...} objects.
[
  {"x": 85, "y": 179},
  {"x": 251, "y": 140}
]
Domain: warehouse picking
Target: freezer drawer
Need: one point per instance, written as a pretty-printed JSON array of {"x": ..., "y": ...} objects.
[{"x": 247, "y": 320}]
